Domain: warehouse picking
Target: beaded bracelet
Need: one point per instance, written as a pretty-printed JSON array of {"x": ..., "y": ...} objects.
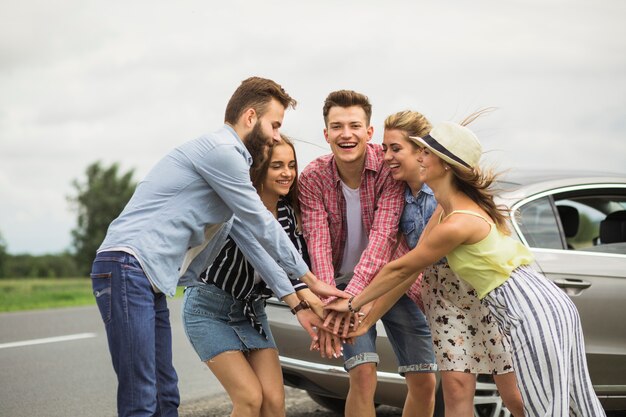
[{"x": 352, "y": 310}]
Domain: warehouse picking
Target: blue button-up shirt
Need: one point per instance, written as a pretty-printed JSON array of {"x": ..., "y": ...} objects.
[
  {"x": 203, "y": 183},
  {"x": 417, "y": 211}
]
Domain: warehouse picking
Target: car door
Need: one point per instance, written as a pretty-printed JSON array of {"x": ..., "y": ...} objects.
[{"x": 594, "y": 279}]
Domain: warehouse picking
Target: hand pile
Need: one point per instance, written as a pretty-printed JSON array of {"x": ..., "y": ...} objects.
[
  {"x": 339, "y": 324},
  {"x": 336, "y": 331}
]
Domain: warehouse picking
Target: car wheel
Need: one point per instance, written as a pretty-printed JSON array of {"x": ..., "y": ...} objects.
[
  {"x": 333, "y": 404},
  {"x": 440, "y": 410},
  {"x": 487, "y": 401}
]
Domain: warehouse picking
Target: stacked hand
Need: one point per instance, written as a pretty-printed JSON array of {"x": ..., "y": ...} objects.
[
  {"x": 328, "y": 344},
  {"x": 339, "y": 326},
  {"x": 339, "y": 320},
  {"x": 334, "y": 332}
]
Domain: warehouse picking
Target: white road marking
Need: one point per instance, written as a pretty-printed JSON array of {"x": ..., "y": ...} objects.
[{"x": 48, "y": 340}]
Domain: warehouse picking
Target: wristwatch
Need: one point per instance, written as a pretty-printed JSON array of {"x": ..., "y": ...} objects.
[{"x": 302, "y": 305}]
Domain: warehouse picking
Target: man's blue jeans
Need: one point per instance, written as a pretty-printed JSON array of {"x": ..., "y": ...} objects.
[{"x": 137, "y": 323}]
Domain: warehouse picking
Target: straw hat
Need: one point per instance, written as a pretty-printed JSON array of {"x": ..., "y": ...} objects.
[{"x": 455, "y": 144}]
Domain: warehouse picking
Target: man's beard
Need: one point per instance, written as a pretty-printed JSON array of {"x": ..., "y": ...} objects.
[{"x": 257, "y": 143}]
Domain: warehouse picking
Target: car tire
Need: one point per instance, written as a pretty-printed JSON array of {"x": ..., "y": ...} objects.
[
  {"x": 487, "y": 401},
  {"x": 440, "y": 409},
  {"x": 333, "y": 404}
]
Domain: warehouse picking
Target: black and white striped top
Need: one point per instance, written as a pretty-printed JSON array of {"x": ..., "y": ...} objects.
[{"x": 232, "y": 273}]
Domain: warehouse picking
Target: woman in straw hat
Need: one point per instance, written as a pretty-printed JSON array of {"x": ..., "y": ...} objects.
[
  {"x": 539, "y": 320},
  {"x": 465, "y": 340}
]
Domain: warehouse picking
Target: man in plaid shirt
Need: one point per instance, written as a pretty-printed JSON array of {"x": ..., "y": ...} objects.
[{"x": 351, "y": 207}]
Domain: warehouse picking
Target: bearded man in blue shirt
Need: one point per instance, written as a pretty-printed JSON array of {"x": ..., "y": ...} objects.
[{"x": 170, "y": 231}]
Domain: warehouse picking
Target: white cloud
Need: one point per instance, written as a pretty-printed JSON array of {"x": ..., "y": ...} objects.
[{"x": 127, "y": 81}]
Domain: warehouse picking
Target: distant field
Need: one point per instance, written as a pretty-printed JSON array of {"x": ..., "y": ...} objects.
[{"x": 34, "y": 293}]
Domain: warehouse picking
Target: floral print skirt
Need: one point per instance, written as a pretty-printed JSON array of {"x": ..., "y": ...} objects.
[{"x": 465, "y": 338}]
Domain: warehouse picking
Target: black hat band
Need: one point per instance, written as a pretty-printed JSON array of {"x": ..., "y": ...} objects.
[{"x": 432, "y": 142}]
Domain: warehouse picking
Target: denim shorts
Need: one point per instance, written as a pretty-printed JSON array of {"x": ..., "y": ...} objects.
[
  {"x": 214, "y": 322},
  {"x": 409, "y": 336}
]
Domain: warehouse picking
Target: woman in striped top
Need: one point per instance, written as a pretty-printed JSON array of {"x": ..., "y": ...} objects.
[{"x": 225, "y": 319}]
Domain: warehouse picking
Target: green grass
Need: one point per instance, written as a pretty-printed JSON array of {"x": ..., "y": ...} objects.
[{"x": 39, "y": 293}]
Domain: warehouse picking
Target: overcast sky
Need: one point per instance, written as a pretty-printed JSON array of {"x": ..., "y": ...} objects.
[{"x": 82, "y": 81}]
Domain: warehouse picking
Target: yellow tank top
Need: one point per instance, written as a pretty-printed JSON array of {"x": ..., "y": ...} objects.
[{"x": 487, "y": 264}]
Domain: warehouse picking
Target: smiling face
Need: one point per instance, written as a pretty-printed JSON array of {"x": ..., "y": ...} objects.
[
  {"x": 431, "y": 167},
  {"x": 401, "y": 156},
  {"x": 347, "y": 132},
  {"x": 281, "y": 172}
]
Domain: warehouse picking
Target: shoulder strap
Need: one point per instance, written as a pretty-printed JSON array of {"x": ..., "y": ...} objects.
[{"x": 472, "y": 213}]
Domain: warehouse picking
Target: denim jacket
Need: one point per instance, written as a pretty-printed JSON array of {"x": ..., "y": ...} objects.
[
  {"x": 417, "y": 212},
  {"x": 201, "y": 184}
]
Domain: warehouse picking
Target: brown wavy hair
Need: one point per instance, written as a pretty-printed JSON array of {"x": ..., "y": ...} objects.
[
  {"x": 260, "y": 166},
  {"x": 477, "y": 183}
]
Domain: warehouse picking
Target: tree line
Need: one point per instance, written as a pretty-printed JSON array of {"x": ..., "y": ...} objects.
[{"x": 97, "y": 200}]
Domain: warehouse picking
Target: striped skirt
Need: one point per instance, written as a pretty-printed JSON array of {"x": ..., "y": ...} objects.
[{"x": 543, "y": 327}]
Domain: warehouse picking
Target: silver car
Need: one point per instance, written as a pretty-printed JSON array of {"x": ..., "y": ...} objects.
[{"x": 575, "y": 225}]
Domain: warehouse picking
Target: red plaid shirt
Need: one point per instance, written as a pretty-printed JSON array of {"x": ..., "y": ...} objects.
[{"x": 324, "y": 219}]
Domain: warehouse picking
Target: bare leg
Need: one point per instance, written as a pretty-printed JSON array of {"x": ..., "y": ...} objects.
[
  {"x": 420, "y": 399},
  {"x": 240, "y": 382},
  {"x": 360, "y": 400},
  {"x": 511, "y": 396},
  {"x": 458, "y": 393},
  {"x": 266, "y": 366}
]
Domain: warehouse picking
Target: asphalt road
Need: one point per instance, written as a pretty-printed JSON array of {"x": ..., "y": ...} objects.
[
  {"x": 74, "y": 377},
  {"x": 55, "y": 363},
  {"x": 298, "y": 404}
]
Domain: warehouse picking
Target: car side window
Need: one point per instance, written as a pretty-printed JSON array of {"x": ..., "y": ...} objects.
[
  {"x": 593, "y": 220},
  {"x": 581, "y": 223},
  {"x": 538, "y": 224}
]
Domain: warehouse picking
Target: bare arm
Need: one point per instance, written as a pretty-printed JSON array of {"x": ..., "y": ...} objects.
[
  {"x": 316, "y": 304},
  {"x": 381, "y": 305},
  {"x": 321, "y": 288},
  {"x": 386, "y": 301},
  {"x": 307, "y": 318},
  {"x": 442, "y": 239}
]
